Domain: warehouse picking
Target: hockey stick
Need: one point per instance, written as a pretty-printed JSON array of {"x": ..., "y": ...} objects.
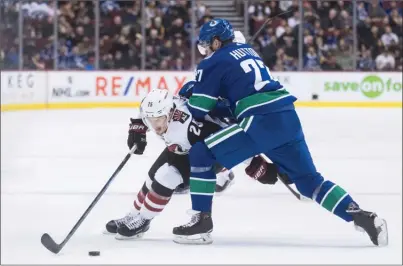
[
  {"x": 48, "y": 241},
  {"x": 251, "y": 39},
  {"x": 296, "y": 194}
]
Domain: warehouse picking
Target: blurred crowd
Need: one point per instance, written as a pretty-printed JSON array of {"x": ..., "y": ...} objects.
[
  {"x": 328, "y": 38},
  {"x": 327, "y": 34}
]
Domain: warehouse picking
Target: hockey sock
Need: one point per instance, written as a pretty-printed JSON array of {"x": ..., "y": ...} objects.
[
  {"x": 202, "y": 177},
  {"x": 138, "y": 202},
  {"x": 334, "y": 199},
  {"x": 155, "y": 200}
]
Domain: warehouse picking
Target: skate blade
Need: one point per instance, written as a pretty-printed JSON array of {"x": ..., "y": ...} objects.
[
  {"x": 198, "y": 239},
  {"x": 383, "y": 237},
  {"x": 121, "y": 237}
]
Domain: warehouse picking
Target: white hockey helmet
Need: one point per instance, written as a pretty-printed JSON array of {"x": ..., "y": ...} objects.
[{"x": 156, "y": 110}]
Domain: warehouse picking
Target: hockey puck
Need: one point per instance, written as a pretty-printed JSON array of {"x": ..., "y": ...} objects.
[{"x": 94, "y": 253}]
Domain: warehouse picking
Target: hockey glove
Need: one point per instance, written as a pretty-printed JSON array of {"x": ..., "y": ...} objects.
[
  {"x": 262, "y": 171},
  {"x": 187, "y": 89},
  {"x": 137, "y": 135}
]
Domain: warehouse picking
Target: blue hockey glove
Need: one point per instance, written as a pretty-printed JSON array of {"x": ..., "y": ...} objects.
[{"x": 187, "y": 89}]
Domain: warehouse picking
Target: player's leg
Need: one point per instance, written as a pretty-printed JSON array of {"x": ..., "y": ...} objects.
[
  {"x": 295, "y": 159},
  {"x": 112, "y": 226},
  {"x": 229, "y": 146},
  {"x": 225, "y": 177},
  {"x": 166, "y": 179}
]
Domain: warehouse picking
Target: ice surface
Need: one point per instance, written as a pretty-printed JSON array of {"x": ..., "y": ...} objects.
[{"x": 53, "y": 163}]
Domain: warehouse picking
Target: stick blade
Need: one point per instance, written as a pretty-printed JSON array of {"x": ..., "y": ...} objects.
[{"x": 48, "y": 242}]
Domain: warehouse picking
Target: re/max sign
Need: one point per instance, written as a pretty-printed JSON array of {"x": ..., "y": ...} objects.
[{"x": 132, "y": 85}]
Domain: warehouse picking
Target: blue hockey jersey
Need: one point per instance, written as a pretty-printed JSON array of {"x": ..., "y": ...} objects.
[{"x": 237, "y": 73}]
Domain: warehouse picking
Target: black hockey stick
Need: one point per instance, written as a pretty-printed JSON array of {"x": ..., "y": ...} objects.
[
  {"x": 295, "y": 193},
  {"x": 48, "y": 241},
  {"x": 251, "y": 39}
]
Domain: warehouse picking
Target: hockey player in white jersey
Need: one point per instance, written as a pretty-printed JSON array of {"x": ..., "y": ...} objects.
[{"x": 169, "y": 118}]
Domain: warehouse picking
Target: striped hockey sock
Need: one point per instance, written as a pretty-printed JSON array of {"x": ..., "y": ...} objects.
[
  {"x": 202, "y": 188},
  {"x": 153, "y": 205},
  {"x": 138, "y": 202},
  {"x": 334, "y": 199}
]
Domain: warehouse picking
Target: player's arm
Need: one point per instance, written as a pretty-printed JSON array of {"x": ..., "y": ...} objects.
[
  {"x": 222, "y": 109},
  {"x": 206, "y": 88}
]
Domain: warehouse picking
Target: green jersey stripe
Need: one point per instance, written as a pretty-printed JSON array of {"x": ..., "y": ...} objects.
[
  {"x": 259, "y": 99},
  {"x": 202, "y": 102}
]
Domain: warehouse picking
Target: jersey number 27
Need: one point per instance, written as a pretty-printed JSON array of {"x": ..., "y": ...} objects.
[{"x": 262, "y": 72}]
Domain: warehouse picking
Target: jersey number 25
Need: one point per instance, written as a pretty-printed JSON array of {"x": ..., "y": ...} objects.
[{"x": 262, "y": 72}]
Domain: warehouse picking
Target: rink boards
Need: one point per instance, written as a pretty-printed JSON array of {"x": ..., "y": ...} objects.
[{"x": 30, "y": 90}]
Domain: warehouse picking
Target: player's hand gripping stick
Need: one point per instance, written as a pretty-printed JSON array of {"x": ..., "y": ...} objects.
[{"x": 137, "y": 135}]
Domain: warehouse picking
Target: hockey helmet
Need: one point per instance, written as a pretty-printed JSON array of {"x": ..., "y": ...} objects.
[{"x": 156, "y": 110}]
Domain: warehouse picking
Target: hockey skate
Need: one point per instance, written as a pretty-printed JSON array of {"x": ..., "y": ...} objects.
[
  {"x": 113, "y": 225},
  {"x": 133, "y": 228},
  {"x": 197, "y": 231},
  {"x": 369, "y": 222},
  {"x": 224, "y": 180}
]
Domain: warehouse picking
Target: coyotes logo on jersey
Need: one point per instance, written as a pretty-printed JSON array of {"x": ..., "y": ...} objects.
[{"x": 180, "y": 116}]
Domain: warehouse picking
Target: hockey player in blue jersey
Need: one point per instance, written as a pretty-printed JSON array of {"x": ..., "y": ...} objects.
[{"x": 267, "y": 124}]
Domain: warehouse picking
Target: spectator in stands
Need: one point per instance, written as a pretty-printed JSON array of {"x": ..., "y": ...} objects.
[
  {"x": 258, "y": 11},
  {"x": 385, "y": 61},
  {"x": 286, "y": 4},
  {"x": 330, "y": 64},
  {"x": 393, "y": 6},
  {"x": 206, "y": 17},
  {"x": 343, "y": 55},
  {"x": 365, "y": 35},
  {"x": 37, "y": 62},
  {"x": 200, "y": 9},
  {"x": 366, "y": 63},
  {"x": 106, "y": 61},
  {"x": 179, "y": 66},
  {"x": 311, "y": 60},
  {"x": 362, "y": 12},
  {"x": 279, "y": 65},
  {"x": 327, "y": 29},
  {"x": 376, "y": 12},
  {"x": 269, "y": 52},
  {"x": 396, "y": 22},
  {"x": 164, "y": 65},
  {"x": 294, "y": 20},
  {"x": 389, "y": 38},
  {"x": 11, "y": 58}
]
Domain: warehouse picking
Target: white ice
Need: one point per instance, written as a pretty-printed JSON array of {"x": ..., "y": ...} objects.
[{"x": 53, "y": 163}]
